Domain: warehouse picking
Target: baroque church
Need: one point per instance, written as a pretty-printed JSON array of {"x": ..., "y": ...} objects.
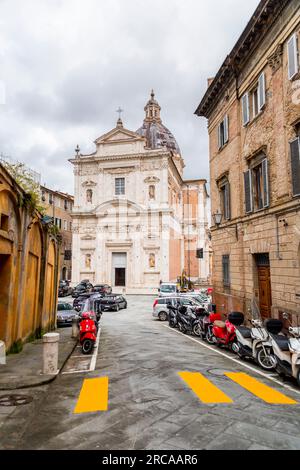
[{"x": 136, "y": 221}]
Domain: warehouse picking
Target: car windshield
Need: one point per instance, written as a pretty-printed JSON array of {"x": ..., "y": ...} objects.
[
  {"x": 62, "y": 307},
  {"x": 168, "y": 289}
]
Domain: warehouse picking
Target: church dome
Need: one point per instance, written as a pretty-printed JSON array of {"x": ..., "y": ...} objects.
[{"x": 156, "y": 134}]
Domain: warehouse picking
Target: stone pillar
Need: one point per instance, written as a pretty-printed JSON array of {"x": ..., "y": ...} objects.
[
  {"x": 2, "y": 353},
  {"x": 75, "y": 328},
  {"x": 50, "y": 353}
]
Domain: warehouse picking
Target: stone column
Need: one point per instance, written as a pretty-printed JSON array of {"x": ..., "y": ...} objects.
[
  {"x": 2, "y": 353},
  {"x": 50, "y": 353}
]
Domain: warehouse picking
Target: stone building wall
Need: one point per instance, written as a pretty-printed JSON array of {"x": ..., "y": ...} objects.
[
  {"x": 274, "y": 230},
  {"x": 28, "y": 267}
]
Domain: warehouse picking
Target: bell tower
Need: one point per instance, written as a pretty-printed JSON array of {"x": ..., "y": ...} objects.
[{"x": 152, "y": 110}]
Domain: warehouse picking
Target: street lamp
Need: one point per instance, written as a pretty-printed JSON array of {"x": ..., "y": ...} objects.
[{"x": 217, "y": 218}]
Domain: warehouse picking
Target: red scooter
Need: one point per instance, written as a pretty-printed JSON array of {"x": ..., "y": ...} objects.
[
  {"x": 224, "y": 332},
  {"x": 87, "y": 332}
]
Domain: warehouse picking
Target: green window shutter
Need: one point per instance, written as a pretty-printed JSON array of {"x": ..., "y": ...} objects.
[
  {"x": 248, "y": 191},
  {"x": 295, "y": 166},
  {"x": 265, "y": 173}
]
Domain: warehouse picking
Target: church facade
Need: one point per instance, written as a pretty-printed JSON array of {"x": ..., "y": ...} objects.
[{"x": 136, "y": 222}]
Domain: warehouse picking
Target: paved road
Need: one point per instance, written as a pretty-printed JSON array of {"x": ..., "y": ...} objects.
[{"x": 150, "y": 406}]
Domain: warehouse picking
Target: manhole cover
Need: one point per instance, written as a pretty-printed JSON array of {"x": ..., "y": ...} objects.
[
  {"x": 15, "y": 400},
  {"x": 217, "y": 372}
]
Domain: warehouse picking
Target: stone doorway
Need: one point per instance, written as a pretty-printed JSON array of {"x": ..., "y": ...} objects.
[
  {"x": 264, "y": 284},
  {"x": 119, "y": 263}
]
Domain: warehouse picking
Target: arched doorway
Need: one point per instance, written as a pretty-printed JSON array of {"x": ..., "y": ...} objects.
[
  {"x": 49, "y": 286},
  {"x": 10, "y": 229},
  {"x": 64, "y": 273},
  {"x": 32, "y": 281}
]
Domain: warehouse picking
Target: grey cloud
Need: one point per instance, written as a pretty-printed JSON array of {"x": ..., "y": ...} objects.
[{"x": 68, "y": 64}]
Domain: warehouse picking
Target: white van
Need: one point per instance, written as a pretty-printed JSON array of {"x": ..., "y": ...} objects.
[{"x": 168, "y": 289}]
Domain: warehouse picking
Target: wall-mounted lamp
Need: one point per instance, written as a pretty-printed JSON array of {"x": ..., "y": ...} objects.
[{"x": 217, "y": 217}]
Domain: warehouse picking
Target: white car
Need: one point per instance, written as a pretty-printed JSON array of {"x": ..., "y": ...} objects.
[{"x": 168, "y": 289}]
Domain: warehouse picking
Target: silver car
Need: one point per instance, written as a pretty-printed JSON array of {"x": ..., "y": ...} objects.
[
  {"x": 65, "y": 314},
  {"x": 160, "y": 306}
]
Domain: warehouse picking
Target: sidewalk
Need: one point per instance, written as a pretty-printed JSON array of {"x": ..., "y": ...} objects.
[{"x": 24, "y": 370}]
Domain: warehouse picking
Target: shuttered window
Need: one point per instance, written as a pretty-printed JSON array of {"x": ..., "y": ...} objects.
[
  {"x": 245, "y": 109},
  {"x": 225, "y": 200},
  {"x": 261, "y": 91},
  {"x": 295, "y": 165},
  {"x": 248, "y": 191},
  {"x": 293, "y": 59},
  {"x": 223, "y": 132},
  {"x": 257, "y": 195},
  {"x": 226, "y": 270}
]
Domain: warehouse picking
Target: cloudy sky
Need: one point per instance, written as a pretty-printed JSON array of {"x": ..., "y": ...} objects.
[{"x": 66, "y": 66}]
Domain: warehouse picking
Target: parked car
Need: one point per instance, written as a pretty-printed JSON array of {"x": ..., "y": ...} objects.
[
  {"x": 113, "y": 302},
  {"x": 160, "y": 306},
  {"x": 64, "y": 289},
  {"x": 65, "y": 314},
  {"x": 82, "y": 288},
  {"x": 204, "y": 300},
  {"x": 102, "y": 289},
  {"x": 80, "y": 300},
  {"x": 167, "y": 289}
]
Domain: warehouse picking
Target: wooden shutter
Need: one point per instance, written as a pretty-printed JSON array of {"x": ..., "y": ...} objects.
[
  {"x": 293, "y": 65},
  {"x": 295, "y": 164},
  {"x": 227, "y": 214},
  {"x": 245, "y": 107},
  {"x": 226, "y": 129},
  {"x": 265, "y": 175},
  {"x": 261, "y": 91},
  {"x": 248, "y": 191},
  {"x": 219, "y": 136}
]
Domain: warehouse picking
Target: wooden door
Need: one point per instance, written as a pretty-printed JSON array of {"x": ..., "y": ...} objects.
[
  {"x": 265, "y": 295},
  {"x": 120, "y": 277}
]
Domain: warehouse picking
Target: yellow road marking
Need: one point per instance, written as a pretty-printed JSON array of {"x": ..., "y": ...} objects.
[
  {"x": 93, "y": 396},
  {"x": 268, "y": 394},
  {"x": 203, "y": 388}
]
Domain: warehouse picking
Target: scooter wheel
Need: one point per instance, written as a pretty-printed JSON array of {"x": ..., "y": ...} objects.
[
  {"x": 264, "y": 359},
  {"x": 210, "y": 339},
  {"x": 197, "y": 331},
  {"x": 87, "y": 346},
  {"x": 298, "y": 378}
]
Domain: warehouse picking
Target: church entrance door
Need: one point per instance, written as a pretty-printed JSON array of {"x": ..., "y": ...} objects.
[{"x": 119, "y": 263}]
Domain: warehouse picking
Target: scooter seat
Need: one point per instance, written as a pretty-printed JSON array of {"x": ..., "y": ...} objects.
[
  {"x": 245, "y": 332},
  {"x": 220, "y": 324},
  {"x": 282, "y": 342}
]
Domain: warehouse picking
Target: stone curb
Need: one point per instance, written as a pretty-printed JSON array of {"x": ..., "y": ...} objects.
[{"x": 35, "y": 381}]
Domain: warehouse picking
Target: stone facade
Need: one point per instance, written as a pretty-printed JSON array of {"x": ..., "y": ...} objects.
[
  {"x": 253, "y": 109},
  {"x": 128, "y": 228},
  {"x": 28, "y": 267},
  {"x": 59, "y": 206}
]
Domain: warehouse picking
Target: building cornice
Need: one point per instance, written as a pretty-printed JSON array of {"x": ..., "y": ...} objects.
[
  {"x": 260, "y": 23},
  {"x": 110, "y": 158}
]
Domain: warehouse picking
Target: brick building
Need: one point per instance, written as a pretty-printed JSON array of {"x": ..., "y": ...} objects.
[
  {"x": 59, "y": 206},
  {"x": 253, "y": 112}
]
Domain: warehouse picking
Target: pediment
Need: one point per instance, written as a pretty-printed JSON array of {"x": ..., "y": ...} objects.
[
  {"x": 89, "y": 184},
  {"x": 119, "y": 135}
]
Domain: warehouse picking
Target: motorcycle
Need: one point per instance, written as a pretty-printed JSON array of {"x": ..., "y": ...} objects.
[
  {"x": 173, "y": 320},
  {"x": 207, "y": 323},
  {"x": 224, "y": 332},
  {"x": 87, "y": 332},
  {"x": 254, "y": 343},
  {"x": 286, "y": 351}
]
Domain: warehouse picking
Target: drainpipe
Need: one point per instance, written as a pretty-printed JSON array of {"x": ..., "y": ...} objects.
[{"x": 277, "y": 237}]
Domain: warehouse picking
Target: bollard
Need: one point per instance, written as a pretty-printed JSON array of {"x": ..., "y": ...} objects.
[
  {"x": 75, "y": 328},
  {"x": 50, "y": 353},
  {"x": 2, "y": 353}
]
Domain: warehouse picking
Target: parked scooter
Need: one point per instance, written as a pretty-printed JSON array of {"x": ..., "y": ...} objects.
[
  {"x": 173, "y": 320},
  {"x": 224, "y": 332},
  {"x": 208, "y": 324},
  {"x": 87, "y": 332},
  {"x": 286, "y": 351},
  {"x": 254, "y": 343}
]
